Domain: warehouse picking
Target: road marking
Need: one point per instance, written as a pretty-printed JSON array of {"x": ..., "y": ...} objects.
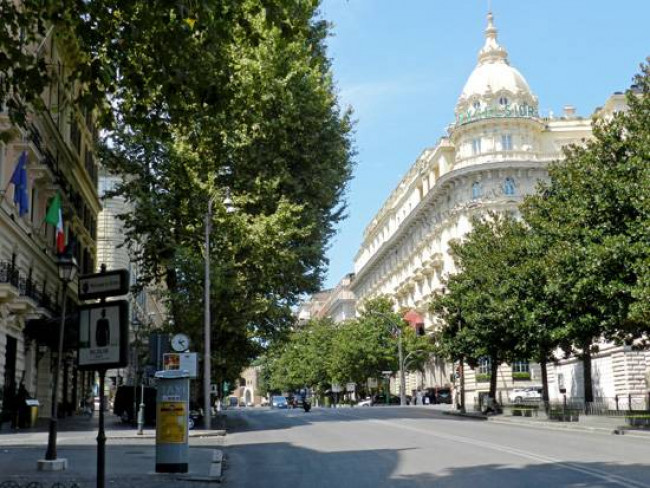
[{"x": 603, "y": 475}]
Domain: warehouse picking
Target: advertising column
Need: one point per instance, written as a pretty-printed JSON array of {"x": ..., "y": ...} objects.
[{"x": 172, "y": 402}]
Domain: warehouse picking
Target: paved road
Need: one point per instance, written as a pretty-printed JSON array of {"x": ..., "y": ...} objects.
[{"x": 405, "y": 447}]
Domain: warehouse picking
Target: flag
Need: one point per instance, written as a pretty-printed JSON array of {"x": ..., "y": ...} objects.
[
  {"x": 54, "y": 216},
  {"x": 19, "y": 180}
]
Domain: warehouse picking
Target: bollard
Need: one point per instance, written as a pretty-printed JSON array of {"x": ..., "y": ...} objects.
[{"x": 172, "y": 411}]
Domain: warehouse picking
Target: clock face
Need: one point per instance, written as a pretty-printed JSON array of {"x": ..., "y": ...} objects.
[{"x": 180, "y": 343}]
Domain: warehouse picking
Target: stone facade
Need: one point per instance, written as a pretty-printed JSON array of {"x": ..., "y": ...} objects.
[{"x": 59, "y": 148}]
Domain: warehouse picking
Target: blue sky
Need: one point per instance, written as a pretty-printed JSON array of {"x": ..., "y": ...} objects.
[{"x": 401, "y": 65}]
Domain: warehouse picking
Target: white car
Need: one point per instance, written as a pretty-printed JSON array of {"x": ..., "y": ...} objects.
[
  {"x": 365, "y": 403},
  {"x": 528, "y": 394}
]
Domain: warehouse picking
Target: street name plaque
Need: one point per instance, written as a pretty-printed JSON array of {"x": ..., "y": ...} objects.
[{"x": 102, "y": 285}]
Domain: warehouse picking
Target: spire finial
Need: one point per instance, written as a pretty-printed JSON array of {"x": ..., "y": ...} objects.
[{"x": 492, "y": 51}]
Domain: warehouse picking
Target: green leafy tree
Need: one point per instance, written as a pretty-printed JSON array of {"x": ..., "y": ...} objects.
[
  {"x": 591, "y": 217},
  {"x": 480, "y": 312}
]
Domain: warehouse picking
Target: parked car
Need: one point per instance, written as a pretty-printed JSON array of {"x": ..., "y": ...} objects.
[
  {"x": 123, "y": 404},
  {"x": 528, "y": 394},
  {"x": 438, "y": 395},
  {"x": 392, "y": 400},
  {"x": 279, "y": 402},
  {"x": 367, "y": 402}
]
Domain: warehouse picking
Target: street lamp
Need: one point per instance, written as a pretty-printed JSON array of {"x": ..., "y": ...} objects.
[
  {"x": 207, "y": 364},
  {"x": 67, "y": 265},
  {"x": 400, "y": 357}
]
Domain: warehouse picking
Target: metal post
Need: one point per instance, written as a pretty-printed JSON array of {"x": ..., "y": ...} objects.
[
  {"x": 462, "y": 384},
  {"x": 50, "y": 454},
  {"x": 207, "y": 366},
  {"x": 402, "y": 382},
  {"x": 141, "y": 410},
  {"x": 101, "y": 435}
]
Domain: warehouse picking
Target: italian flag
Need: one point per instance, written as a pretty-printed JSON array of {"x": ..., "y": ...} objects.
[{"x": 54, "y": 216}]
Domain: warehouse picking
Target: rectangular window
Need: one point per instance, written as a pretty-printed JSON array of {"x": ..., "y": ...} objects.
[
  {"x": 521, "y": 367},
  {"x": 506, "y": 142},
  {"x": 485, "y": 366},
  {"x": 476, "y": 146}
]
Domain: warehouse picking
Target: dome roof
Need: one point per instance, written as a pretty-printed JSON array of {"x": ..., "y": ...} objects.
[{"x": 493, "y": 76}]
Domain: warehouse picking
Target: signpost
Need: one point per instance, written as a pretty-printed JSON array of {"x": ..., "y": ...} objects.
[
  {"x": 103, "y": 338},
  {"x": 183, "y": 361}
]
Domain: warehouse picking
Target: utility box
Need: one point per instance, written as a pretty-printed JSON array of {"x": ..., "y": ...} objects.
[{"x": 172, "y": 411}]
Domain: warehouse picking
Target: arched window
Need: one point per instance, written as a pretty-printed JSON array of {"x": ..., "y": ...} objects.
[
  {"x": 503, "y": 101},
  {"x": 509, "y": 186},
  {"x": 476, "y": 190},
  {"x": 476, "y": 105}
]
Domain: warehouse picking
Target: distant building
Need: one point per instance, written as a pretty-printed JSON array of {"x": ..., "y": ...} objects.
[
  {"x": 338, "y": 303},
  {"x": 147, "y": 309}
]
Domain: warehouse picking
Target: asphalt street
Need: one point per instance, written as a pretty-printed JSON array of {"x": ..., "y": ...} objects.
[{"x": 407, "y": 446}]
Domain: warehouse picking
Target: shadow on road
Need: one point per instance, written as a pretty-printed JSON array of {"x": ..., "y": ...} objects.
[{"x": 283, "y": 464}]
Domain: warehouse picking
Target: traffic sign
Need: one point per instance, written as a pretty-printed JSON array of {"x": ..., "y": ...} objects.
[
  {"x": 103, "y": 335},
  {"x": 336, "y": 388},
  {"x": 101, "y": 285},
  {"x": 350, "y": 386}
]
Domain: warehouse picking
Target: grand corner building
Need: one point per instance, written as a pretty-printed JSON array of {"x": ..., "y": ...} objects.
[
  {"x": 497, "y": 148},
  {"x": 58, "y": 147}
]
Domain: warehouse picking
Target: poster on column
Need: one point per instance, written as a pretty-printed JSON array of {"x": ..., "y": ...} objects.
[{"x": 103, "y": 335}]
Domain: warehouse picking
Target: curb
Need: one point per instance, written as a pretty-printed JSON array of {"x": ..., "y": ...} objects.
[
  {"x": 473, "y": 416},
  {"x": 192, "y": 434},
  {"x": 568, "y": 426},
  {"x": 214, "y": 475}
]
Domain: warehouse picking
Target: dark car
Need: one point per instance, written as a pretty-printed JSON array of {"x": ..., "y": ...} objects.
[
  {"x": 392, "y": 400},
  {"x": 124, "y": 404},
  {"x": 438, "y": 395}
]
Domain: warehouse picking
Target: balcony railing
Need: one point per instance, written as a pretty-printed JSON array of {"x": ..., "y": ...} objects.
[{"x": 9, "y": 273}]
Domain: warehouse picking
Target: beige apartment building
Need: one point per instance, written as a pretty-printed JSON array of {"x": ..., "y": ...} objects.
[
  {"x": 57, "y": 148},
  {"x": 495, "y": 151}
]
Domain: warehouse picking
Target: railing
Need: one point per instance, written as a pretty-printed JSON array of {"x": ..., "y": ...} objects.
[{"x": 9, "y": 273}]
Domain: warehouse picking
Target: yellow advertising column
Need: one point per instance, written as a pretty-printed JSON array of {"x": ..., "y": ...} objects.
[{"x": 172, "y": 410}]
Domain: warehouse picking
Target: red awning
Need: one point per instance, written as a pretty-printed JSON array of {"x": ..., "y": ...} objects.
[{"x": 413, "y": 318}]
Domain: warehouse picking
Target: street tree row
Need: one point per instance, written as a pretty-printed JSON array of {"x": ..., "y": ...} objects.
[
  {"x": 322, "y": 353},
  {"x": 574, "y": 270}
]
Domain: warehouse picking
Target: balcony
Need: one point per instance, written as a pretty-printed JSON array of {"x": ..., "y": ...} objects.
[{"x": 9, "y": 281}]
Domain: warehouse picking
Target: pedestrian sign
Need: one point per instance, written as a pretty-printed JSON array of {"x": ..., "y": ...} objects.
[{"x": 103, "y": 335}]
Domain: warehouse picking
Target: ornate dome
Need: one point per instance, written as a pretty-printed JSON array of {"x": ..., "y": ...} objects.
[{"x": 494, "y": 84}]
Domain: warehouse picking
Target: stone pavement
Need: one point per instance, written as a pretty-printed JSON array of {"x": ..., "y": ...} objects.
[{"x": 130, "y": 458}]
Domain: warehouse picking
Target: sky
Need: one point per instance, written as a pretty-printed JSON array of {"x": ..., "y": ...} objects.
[{"x": 401, "y": 66}]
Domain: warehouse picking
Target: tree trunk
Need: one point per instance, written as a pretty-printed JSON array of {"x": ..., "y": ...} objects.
[
  {"x": 586, "y": 365},
  {"x": 493, "y": 379},
  {"x": 544, "y": 368}
]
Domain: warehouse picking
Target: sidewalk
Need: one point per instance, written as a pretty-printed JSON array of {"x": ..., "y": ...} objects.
[
  {"x": 130, "y": 458},
  {"x": 588, "y": 423}
]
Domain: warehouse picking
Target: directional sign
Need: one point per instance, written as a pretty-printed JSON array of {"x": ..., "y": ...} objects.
[
  {"x": 103, "y": 335},
  {"x": 101, "y": 285}
]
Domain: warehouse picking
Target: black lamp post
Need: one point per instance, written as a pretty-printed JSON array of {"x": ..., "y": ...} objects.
[{"x": 67, "y": 272}]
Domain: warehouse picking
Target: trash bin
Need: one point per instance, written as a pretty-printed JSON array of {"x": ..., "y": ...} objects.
[{"x": 29, "y": 414}]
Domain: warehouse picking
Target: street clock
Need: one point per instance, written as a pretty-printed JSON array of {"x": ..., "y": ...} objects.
[{"x": 180, "y": 343}]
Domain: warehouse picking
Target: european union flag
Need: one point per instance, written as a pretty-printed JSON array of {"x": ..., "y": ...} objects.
[{"x": 19, "y": 180}]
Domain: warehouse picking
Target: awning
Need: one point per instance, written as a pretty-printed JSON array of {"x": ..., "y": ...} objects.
[{"x": 413, "y": 318}]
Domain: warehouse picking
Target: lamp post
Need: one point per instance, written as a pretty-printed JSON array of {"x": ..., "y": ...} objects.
[
  {"x": 207, "y": 352},
  {"x": 400, "y": 355},
  {"x": 67, "y": 271}
]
